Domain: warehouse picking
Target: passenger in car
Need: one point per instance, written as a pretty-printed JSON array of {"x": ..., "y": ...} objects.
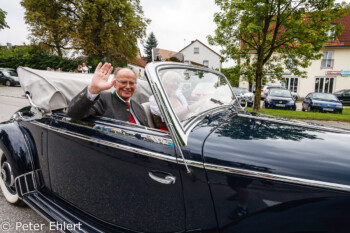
[
  {"x": 171, "y": 81},
  {"x": 93, "y": 101}
]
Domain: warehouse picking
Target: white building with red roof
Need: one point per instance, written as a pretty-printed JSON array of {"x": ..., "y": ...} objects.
[{"x": 200, "y": 53}]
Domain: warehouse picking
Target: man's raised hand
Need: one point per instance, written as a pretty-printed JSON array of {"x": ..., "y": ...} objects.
[{"x": 99, "y": 81}]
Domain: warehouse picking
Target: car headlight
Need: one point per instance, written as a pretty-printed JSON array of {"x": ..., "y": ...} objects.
[
  {"x": 316, "y": 104},
  {"x": 291, "y": 102}
]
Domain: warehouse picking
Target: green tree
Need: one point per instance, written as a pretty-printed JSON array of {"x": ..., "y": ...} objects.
[
  {"x": 36, "y": 57},
  {"x": 109, "y": 29},
  {"x": 151, "y": 43},
  {"x": 3, "y": 23},
  {"x": 269, "y": 36},
  {"x": 51, "y": 24},
  {"x": 100, "y": 29},
  {"x": 232, "y": 74}
]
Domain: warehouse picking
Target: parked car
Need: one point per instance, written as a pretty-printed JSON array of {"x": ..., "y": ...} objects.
[
  {"x": 219, "y": 169},
  {"x": 8, "y": 77},
  {"x": 265, "y": 89},
  {"x": 245, "y": 97},
  {"x": 279, "y": 98},
  {"x": 343, "y": 96},
  {"x": 322, "y": 102}
]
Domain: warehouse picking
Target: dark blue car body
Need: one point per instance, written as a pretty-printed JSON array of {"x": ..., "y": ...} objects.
[
  {"x": 246, "y": 172},
  {"x": 316, "y": 102}
]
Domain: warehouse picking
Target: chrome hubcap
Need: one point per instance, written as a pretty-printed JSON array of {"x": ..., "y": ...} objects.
[{"x": 6, "y": 174}]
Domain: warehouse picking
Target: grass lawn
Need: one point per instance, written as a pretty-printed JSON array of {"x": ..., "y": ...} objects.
[
  {"x": 1, "y": 85},
  {"x": 306, "y": 115}
]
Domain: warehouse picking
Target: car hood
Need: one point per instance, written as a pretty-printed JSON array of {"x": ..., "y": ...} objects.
[
  {"x": 326, "y": 101},
  {"x": 14, "y": 78},
  {"x": 273, "y": 146}
]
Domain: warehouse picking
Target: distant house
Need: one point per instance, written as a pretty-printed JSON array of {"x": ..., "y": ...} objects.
[
  {"x": 167, "y": 55},
  {"x": 197, "y": 52}
]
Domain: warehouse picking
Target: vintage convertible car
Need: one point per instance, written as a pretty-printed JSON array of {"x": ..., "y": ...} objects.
[{"x": 218, "y": 169}]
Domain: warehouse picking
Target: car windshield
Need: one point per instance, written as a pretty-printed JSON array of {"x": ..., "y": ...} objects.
[
  {"x": 191, "y": 92},
  {"x": 10, "y": 73},
  {"x": 280, "y": 92},
  {"x": 324, "y": 96},
  {"x": 238, "y": 91}
]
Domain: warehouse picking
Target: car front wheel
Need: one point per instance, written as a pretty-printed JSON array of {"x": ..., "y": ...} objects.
[
  {"x": 7, "y": 83},
  {"x": 7, "y": 182}
]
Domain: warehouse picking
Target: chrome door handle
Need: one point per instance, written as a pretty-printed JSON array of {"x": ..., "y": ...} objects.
[{"x": 167, "y": 180}]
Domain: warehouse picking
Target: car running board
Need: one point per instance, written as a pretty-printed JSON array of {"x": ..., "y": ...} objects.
[{"x": 54, "y": 213}]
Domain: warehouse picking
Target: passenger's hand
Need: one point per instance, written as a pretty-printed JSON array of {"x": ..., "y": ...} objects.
[{"x": 99, "y": 81}]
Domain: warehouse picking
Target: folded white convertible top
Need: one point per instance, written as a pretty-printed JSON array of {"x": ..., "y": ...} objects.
[{"x": 54, "y": 90}]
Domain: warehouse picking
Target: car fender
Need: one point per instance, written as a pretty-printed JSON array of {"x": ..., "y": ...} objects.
[
  {"x": 15, "y": 143},
  {"x": 298, "y": 216}
]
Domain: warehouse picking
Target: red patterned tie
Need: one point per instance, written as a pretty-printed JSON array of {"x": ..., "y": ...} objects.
[{"x": 132, "y": 119}]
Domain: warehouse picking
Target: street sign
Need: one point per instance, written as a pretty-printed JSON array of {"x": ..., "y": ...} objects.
[
  {"x": 345, "y": 73},
  {"x": 333, "y": 72}
]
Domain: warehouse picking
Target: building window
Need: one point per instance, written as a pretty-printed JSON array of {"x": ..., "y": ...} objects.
[
  {"x": 196, "y": 50},
  {"x": 324, "y": 85},
  {"x": 331, "y": 32},
  {"x": 291, "y": 84},
  {"x": 290, "y": 63},
  {"x": 327, "y": 60},
  {"x": 206, "y": 63}
]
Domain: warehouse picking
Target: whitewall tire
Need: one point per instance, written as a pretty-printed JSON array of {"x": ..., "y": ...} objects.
[{"x": 9, "y": 193}]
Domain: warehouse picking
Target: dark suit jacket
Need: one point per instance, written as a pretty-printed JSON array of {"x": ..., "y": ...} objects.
[{"x": 105, "y": 105}]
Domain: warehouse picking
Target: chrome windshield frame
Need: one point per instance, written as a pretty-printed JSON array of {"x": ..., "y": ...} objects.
[{"x": 177, "y": 131}]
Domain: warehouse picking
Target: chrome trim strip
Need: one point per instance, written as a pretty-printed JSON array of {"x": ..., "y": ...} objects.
[
  {"x": 111, "y": 144},
  {"x": 281, "y": 178},
  {"x": 121, "y": 131},
  {"x": 295, "y": 123},
  {"x": 191, "y": 163}
]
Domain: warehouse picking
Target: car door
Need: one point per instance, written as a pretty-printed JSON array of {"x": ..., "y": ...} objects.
[
  {"x": 346, "y": 97},
  {"x": 117, "y": 172},
  {"x": 1, "y": 77},
  {"x": 306, "y": 102}
]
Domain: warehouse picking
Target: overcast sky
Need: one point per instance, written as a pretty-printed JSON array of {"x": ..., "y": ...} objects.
[{"x": 175, "y": 23}]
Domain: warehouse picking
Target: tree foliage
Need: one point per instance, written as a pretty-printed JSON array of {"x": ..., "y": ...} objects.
[
  {"x": 151, "y": 43},
  {"x": 50, "y": 24},
  {"x": 104, "y": 29},
  {"x": 232, "y": 74},
  {"x": 3, "y": 23},
  {"x": 35, "y": 57},
  {"x": 271, "y": 36}
]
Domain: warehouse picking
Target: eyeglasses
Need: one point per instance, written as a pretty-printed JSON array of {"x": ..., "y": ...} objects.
[{"x": 124, "y": 82}]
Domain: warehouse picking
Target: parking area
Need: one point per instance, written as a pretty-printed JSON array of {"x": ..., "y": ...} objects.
[{"x": 12, "y": 99}]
